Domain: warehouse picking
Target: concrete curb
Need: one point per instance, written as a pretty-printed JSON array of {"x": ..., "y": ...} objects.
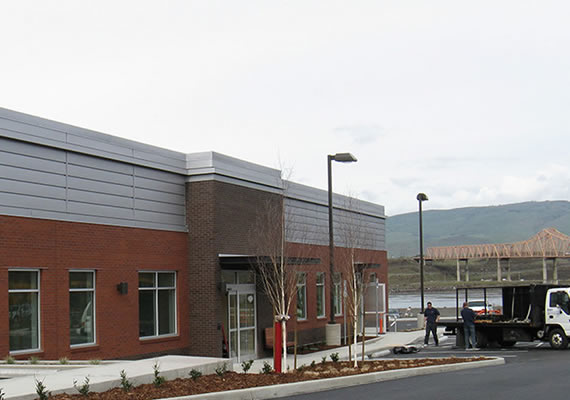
[{"x": 292, "y": 389}]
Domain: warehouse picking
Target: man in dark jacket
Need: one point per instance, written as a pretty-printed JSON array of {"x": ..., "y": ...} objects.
[
  {"x": 468, "y": 316},
  {"x": 431, "y": 316}
]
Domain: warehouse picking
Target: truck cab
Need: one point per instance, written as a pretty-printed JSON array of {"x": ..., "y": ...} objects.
[{"x": 557, "y": 316}]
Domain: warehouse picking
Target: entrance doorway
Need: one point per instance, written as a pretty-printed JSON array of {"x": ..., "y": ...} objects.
[
  {"x": 374, "y": 307},
  {"x": 241, "y": 324}
]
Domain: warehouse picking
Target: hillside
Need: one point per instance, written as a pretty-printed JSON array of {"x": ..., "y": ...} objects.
[{"x": 475, "y": 225}]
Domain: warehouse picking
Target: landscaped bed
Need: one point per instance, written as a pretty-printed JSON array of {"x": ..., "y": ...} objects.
[{"x": 232, "y": 380}]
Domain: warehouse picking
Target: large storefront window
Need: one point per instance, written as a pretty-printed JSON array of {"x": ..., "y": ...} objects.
[
  {"x": 23, "y": 298},
  {"x": 157, "y": 303},
  {"x": 81, "y": 307}
]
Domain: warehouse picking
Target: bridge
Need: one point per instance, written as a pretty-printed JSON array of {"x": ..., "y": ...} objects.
[{"x": 548, "y": 244}]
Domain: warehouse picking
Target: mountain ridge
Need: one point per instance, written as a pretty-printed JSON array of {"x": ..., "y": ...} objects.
[{"x": 475, "y": 225}]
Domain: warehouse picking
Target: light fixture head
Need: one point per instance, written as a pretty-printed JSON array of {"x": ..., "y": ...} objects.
[
  {"x": 344, "y": 157},
  {"x": 422, "y": 197}
]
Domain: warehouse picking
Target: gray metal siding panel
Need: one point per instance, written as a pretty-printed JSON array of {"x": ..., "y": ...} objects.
[
  {"x": 146, "y": 194},
  {"x": 99, "y": 163},
  {"x": 37, "y": 130},
  {"x": 99, "y": 210},
  {"x": 159, "y": 186},
  {"x": 27, "y": 175},
  {"x": 308, "y": 223},
  {"x": 99, "y": 187},
  {"x": 31, "y": 202},
  {"x": 31, "y": 189},
  {"x": 159, "y": 207},
  {"x": 44, "y": 182},
  {"x": 82, "y": 196},
  {"x": 99, "y": 175}
]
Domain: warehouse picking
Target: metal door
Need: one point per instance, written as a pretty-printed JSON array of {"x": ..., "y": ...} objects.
[
  {"x": 373, "y": 305},
  {"x": 242, "y": 322}
]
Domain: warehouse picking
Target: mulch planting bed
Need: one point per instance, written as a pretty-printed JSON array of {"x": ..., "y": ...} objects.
[{"x": 233, "y": 380}]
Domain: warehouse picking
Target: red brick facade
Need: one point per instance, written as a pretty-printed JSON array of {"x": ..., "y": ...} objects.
[
  {"x": 220, "y": 219},
  {"x": 117, "y": 255}
]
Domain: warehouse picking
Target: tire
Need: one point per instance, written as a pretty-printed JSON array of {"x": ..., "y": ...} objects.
[{"x": 558, "y": 339}]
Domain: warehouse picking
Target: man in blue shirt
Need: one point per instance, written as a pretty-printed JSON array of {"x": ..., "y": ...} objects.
[
  {"x": 431, "y": 316},
  {"x": 468, "y": 316}
]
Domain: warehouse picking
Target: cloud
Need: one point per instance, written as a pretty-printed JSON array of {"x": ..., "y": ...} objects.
[{"x": 361, "y": 134}]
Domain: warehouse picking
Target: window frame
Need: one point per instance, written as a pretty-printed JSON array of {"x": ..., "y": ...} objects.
[
  {"x": 321, "y": 293},
  {"x": 39, "y": 318},
  {"x": 156, "y": 289},
  {"x": 93, "y": 303},
  {"x": 301, "y": 286}
]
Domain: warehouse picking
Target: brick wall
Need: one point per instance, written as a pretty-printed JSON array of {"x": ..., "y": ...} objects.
[
  {"x": 116, "y": 254},
  {"x": 224, "y": 219}
]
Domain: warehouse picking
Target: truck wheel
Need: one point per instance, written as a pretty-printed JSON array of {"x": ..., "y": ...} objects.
[
  {"x": 482, "y": 340},
  {"x": 558, "y": 339}
]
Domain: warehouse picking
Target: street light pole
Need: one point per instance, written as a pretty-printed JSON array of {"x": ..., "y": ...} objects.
[
  {"x": 421, "y": 197},
  {"x": 339, "y": 157}
]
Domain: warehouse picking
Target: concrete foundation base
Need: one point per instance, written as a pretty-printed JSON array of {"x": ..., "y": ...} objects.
[
  {"x": 421, "y": 321},
  {"x": 333, "y": 334}
]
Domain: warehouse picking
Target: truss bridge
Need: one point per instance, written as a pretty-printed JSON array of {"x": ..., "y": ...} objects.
[{"x": 548, "y": 244}]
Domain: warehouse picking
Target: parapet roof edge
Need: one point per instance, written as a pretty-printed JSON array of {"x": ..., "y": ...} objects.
[{"x": 28, "y": 128}]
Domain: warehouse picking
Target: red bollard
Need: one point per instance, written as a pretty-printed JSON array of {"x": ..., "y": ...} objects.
[{"x": 277, "y": 347}]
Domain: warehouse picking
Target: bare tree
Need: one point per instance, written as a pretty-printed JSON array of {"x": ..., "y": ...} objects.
[
  {"x": 355, "y": 274},
  {"x": 278, "y": 259}
]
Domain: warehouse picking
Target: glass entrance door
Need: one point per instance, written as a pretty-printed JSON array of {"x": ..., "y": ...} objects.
[{"x": 241, "y": 321}]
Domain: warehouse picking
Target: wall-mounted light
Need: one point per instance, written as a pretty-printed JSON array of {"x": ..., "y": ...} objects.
[{"x": 123, "y": 288}]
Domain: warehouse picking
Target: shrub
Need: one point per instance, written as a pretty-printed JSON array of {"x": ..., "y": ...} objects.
[
  {"x": 64, "y": 360},
  {"x": 9, "y": 360},
  {"x": 126, "y": 385},
  {"x": 195, "y": 374},
  {"x": 33, "y": 360},
  {"x": 267, "y": 368},
  {"x": 221, "y": 370},
  {"x": 246, "y": 365},
  {"x": 334, "y": 357},
  {"x": 95, "y": 362},
  {"x": 323, "y": 359},
  {"x": 83, "y": 389},
  {"x": 41, "y": 390},
  {"x": 313, "y": 364},
  {"x": 301, "y": 368},
  {"x": 158, "y": 380}
]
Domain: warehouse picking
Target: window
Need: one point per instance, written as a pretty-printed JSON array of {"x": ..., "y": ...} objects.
[
  {"x": 24, "y": 305},
  {"x": 560, "y": 299},
  {"x": 81, "y": 307},
  {"x": 301, "y": 295},
  {"x": 157, "y": 303},
  {"x": 337, "y": 300},
  {"x": 320, "y": 294}
]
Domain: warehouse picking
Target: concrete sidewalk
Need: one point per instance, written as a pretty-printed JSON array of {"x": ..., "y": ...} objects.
[
  {"x": 60, "y": 379},
  {"x": 383, "y": 343}
]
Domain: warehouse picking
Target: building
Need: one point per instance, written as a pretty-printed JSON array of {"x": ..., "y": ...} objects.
[{"x": 111, "y": 248}]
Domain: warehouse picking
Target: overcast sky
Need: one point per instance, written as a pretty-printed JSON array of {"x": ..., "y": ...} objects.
[{"x": 467, "y": 101}]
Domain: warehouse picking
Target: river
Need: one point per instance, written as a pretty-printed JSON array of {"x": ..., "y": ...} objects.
[{"x": 442, "y": 299}]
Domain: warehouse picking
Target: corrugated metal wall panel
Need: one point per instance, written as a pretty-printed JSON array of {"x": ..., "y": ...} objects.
[
  {"x": 308, "y": 223},
  {"x": 58, "y": 184}
]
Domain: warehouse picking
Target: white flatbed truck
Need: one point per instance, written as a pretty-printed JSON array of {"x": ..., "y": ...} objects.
[{"x": 529, "y": 312}]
